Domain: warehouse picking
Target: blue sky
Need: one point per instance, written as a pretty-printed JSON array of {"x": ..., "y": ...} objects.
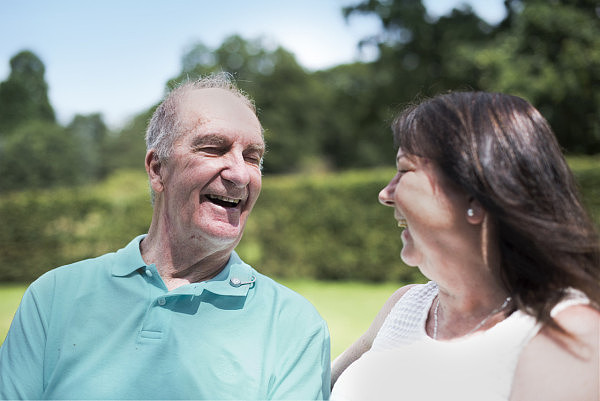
[{"x": 115, "y": 56}]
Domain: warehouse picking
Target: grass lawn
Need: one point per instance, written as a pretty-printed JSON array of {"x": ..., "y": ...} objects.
[
  {"x": 348, "y": 308},
  {"x": 10, "y": 296}
]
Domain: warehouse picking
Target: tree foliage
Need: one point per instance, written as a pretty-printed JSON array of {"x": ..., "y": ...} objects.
[
  {"x": 549, "y": 53},
  {"x": 545, "y": 51},
  {"x": 289, "y": 99},
  {"x": 127, "y": 148},
  {"x": 338, "y": 118},
  {"x": 90, "y": 136},
  {"x": 416, "y": 51},
  {"x": 38, "y": 154},
  {"x": 24, "y": 95}
]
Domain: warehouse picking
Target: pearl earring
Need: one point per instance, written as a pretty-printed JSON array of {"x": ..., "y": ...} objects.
[{"x": 470, "y": 212}]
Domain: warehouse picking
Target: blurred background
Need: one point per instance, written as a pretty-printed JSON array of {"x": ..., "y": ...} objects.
[{"x": 79, "y": 81}]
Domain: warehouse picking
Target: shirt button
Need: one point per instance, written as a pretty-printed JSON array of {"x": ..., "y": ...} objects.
[
  {"x": 236, "y": 282},
  {"x": 162, "y": 301},
  {"x": 148, "y": 272}
]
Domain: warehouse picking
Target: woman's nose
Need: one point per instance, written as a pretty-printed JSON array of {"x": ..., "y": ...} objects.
[{"x": 386, "y": 195}]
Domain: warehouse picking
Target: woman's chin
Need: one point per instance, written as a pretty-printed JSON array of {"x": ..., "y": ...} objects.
[{"x": 408, "y": 258}]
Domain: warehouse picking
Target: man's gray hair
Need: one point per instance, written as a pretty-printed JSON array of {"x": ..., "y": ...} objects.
[{"x": 165, "y": 127}]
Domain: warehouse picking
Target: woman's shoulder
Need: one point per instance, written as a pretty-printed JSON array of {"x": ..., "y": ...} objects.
[
  {"x": 397, "y": 295},
  {"x": 582, "y": 323},
  {"x": 410, "y": 294},
  {"x": 406, "y": 293},
  {"x": 562, "y": 367},
  {"x": 385, "y": 310},
  {"x": 578, "y": 318},
  {"x": 365, "y": 341}
]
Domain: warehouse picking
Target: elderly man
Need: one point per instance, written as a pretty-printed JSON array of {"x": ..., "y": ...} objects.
[{"x": 176, "y": 314}]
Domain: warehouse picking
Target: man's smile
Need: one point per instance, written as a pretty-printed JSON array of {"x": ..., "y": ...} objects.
[{"x": 223, "y": 201}]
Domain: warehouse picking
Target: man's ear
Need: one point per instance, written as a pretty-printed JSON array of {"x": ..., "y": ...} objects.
[{"x": 154, "y": 170}]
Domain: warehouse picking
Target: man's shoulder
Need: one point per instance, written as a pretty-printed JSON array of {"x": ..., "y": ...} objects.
[
  {"x": 81, "y": 269},
  {"x": 284, "y": 296},
  {"x": 269, "y": 284}
]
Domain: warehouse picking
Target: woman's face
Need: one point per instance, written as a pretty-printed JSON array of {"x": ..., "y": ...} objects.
[{"x": 431, "y": 210}]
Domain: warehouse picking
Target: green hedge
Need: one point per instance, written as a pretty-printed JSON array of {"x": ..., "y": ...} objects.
[
  {"x": 327, "y": 226},
  {"x": 44, "y": 229}
]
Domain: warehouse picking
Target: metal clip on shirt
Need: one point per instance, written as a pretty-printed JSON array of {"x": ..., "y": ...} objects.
[{"x": 236, "y": 282}]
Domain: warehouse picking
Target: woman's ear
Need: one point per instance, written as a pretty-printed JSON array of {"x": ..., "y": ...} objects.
[
  {"x": 475, "y": 212},
  {"x": 153, "y": 168}
]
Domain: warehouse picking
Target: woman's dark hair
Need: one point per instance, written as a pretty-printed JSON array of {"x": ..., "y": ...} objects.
[{"x": 500, "y": 150}]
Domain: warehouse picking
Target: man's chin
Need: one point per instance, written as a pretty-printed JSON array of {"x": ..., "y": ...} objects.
[{"x": 224, "y": 232}]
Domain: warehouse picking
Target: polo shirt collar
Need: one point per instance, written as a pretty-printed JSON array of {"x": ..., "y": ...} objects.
[
  {"x": 235, "y": 279},
  {"x": 129, "y": 259}
]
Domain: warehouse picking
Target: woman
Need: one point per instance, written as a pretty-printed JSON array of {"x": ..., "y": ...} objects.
[{"x": 490, "y": 213}]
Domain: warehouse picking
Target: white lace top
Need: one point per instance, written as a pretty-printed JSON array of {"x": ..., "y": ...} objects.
[{"x": 404, "y": 363}]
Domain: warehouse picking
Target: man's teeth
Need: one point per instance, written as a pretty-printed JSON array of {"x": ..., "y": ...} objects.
[
  {"x": 223, "y": 199},
  {"x": 402, "y": 223}
]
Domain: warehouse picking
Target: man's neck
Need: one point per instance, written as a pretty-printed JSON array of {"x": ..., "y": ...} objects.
[{"x": 183, "y": 263}]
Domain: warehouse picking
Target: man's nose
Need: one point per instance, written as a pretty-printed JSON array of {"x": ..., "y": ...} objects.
[{"x": 236, "y": 170}]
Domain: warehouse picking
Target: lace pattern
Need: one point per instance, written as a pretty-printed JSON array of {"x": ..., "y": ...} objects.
[{"x": 406, "y": 321}]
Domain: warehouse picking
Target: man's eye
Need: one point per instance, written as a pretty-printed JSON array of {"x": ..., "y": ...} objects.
[
  {"x": 211, "y": 150},
  {"x": 254, "y": 159}
]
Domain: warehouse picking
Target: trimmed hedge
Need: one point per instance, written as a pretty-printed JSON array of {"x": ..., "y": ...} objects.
[
  {"x": 45, "y": 229},
  {"x": 327, "y": 226}
]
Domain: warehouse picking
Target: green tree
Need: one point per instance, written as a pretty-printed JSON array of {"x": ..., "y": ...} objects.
[
  {"x": 545, "y": 51},
  {"x": 90, "y": 135},
  {"x": 549, "y": 53},
  {"x": 416, "y": 58},
  {"x": 127, "y": 147},
  {"x": 356, "y": 131},
  {"x": 24, "y": 95},
  {"x": 292, "y": 111},
  {"x": 416, "y": 52},
  {"x": 38, "y": 154},
  {"x": 289, "y": 99}
]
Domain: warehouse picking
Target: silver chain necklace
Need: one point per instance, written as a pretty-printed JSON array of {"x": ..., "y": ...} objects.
[{"x": 492, "y": 313}]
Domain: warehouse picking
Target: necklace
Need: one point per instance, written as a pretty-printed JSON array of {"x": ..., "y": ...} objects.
[{"x": 474, "y": 329}]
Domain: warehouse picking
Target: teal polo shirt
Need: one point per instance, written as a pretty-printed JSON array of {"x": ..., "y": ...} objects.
[{"x": 108, "y": 328}]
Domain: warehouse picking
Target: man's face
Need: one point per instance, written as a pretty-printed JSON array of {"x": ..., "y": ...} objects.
[{"x": 212, "y": 179}]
